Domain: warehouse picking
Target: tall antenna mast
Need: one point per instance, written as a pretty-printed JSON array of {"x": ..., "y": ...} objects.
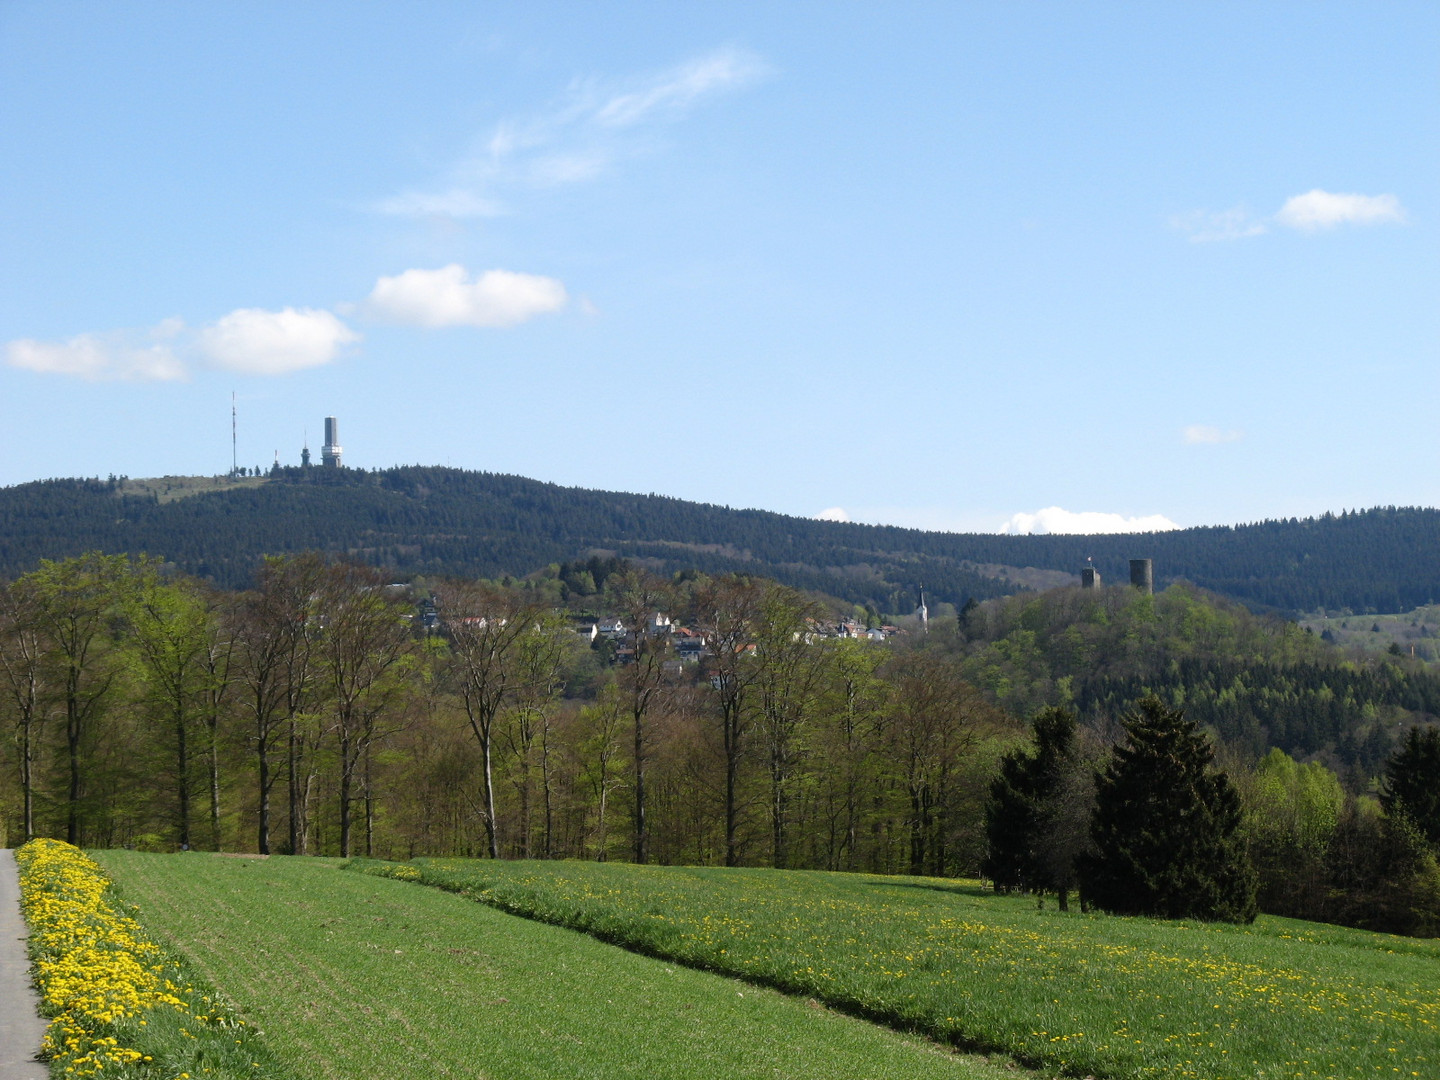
[{"x": 234, "y": 444}]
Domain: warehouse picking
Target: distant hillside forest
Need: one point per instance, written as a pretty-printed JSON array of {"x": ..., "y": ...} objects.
[
  {"x": 432, "y": 521},
  {"x": 1256, "y": 681}
]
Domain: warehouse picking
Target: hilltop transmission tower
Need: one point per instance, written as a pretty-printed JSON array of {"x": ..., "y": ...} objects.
[
  {"x": 234, "y": 439},
  {"x": 330, "y": 450}
]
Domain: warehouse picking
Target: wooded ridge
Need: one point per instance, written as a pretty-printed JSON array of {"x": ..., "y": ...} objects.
[{"x": 418, "y": 520}]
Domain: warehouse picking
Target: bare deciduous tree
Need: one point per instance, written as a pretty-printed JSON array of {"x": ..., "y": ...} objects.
[{"x": 483, "y": 627}]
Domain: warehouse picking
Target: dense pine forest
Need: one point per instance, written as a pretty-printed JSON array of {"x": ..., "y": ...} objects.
[
  {"x": 718, "y": 719},
  {"x": 436, "y": 522}
]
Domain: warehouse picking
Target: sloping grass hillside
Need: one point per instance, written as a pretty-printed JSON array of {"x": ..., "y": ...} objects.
[
  {"x": 354, "y": 977},
  {"x": 1089, "y": 994}
]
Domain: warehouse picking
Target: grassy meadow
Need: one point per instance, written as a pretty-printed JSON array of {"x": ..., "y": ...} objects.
[
  {"x": 1416, "y": 632},
  {"x": 352, "y": 976},
  {"x": 1085, "y": 994}
]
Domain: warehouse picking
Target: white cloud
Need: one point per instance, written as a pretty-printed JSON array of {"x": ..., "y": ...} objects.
[
  {"x": 97, "y": 358},
  {"x": 835, "y": 513},
  {"x": 1204, "y": 227},
  {"x": 1197, "y": 434},
  {"x": 447, "y": 297},
  {"x": 253, "y": 341},
  {"x": 578, "y": 138},
  {"x": 1324, "y": 210},
  {"x": 680, "y": 87},
  {"x": 1309, "y": 212},
  {"x": 1055, "y": 520},
  {"x": 250, "y": 341}
]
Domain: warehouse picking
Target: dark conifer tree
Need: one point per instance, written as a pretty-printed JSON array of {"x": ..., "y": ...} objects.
[
  {"x": 1010, "y": 815},
  {"x": 1412, "y": 781},
  {"x": 1035, "y": 814},
  {"x": 1166, "y": 828}
]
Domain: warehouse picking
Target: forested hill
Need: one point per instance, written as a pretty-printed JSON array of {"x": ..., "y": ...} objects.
[
  {"x": 430, "y": 520},
  {"x": 1256, "y": 681}
]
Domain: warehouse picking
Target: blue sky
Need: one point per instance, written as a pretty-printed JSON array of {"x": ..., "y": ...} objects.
[{"x": 950, "y": 265}]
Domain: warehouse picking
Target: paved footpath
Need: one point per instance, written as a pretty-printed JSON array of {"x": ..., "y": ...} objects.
[{"x": 21, "y": 1027}]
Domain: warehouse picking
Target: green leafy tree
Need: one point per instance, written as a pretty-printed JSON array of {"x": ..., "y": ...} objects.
[
  {"x": 274, "y": 675},
  {"x": 1383, "y": 874},
  {"x": 933, "y": 722},
  {"x": 23, "y": 688},
  {"x": 1167, "y": 829},
  {"x": 1412, "y": 781},
  {"x": 172, "y": 637},
  {"x": 601, "y": 747},
  {"x": 75, "y": 603},
  {"x": 1291, "y": 813},
  {"x": 850, "y": 716},
  {"x": 366, "y": 654}
]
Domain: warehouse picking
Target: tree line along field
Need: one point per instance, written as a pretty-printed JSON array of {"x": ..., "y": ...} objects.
[
  {"x": 317, "y": 713},
  {"x": 396, "y": 968}
]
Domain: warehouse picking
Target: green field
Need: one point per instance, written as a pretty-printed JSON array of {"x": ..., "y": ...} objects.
[
  {"x": 1087, "y": 994},
  {"x": 352, "y": 976},
  {"x": 169, "y": 488},
  {"x": 1416, "y": 633}
]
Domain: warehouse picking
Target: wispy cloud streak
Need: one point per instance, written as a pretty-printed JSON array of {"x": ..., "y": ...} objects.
[
  {"x": 1207, "y": 227},
  {"x": 1204, "y": 434},
  {"x": 594, "y": 124}
]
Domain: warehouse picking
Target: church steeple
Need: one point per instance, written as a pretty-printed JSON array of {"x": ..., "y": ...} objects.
[{"x": 923, "y": 613}]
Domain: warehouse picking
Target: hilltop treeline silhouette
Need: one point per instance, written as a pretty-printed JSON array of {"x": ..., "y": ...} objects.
[{"x": 439, "y": 521}]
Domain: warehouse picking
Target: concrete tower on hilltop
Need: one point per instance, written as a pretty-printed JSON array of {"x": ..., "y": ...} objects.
[{"x": 330, "y": 451}]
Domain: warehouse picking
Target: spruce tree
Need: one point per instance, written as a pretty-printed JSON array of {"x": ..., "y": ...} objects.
[
  {"x": 1038, "y": 804},
  {"x": 1412, "y": 782},
  {"x": 1166, "y": 828},
  {"x": 1010, "y": 815}
]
